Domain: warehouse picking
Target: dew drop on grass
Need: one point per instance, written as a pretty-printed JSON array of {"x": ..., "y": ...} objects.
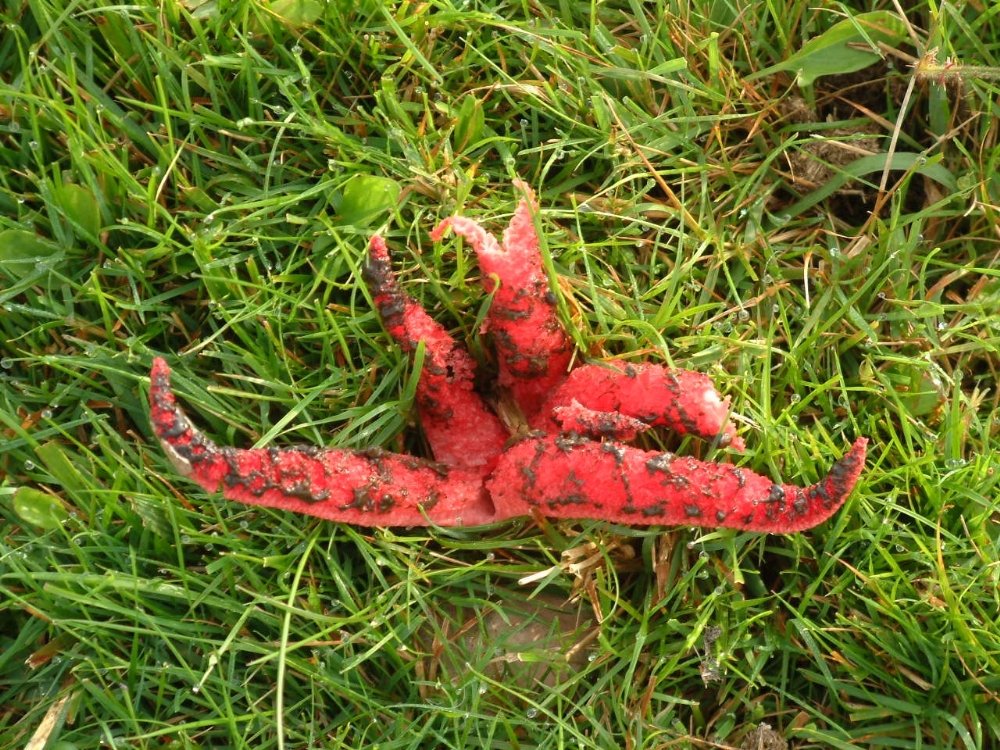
[
  {"x": 6, "y": 363},
  {"x": 531, "y": 713},
  {"x": 29, "y": 465}
]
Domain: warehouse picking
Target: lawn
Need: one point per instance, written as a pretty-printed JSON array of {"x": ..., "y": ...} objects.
[{"x": 799, "y": 199}]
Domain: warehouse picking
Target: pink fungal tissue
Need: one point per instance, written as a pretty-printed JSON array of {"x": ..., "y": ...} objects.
[{"x": 574, "y": 459}]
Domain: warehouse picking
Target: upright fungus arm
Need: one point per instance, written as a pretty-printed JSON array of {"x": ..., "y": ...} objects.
[
  {"x": 462, "y": 431},
  {"x": 533, "y": 350}
]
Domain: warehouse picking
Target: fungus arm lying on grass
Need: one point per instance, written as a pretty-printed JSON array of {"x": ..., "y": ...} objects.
[
  {"x": 681, "y": 400},
  {"x": 573, "y": 477},
  {"x": 367, "y": 488}
]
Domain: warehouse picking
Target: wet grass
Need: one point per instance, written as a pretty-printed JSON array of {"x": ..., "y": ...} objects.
[{"x": 198, "y": 181}]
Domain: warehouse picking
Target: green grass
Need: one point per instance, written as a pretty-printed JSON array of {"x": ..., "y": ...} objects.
[{"x": 175, "y": 180}]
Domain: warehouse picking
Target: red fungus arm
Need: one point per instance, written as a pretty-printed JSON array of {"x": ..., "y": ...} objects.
[
  {"x": 567, "y": 477},
  {"x": 681, "y": 400},
  {"x": 366, "y": 488},
  {"x": 533, "y": 350},
  {"x": 463, "y": 433}
]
